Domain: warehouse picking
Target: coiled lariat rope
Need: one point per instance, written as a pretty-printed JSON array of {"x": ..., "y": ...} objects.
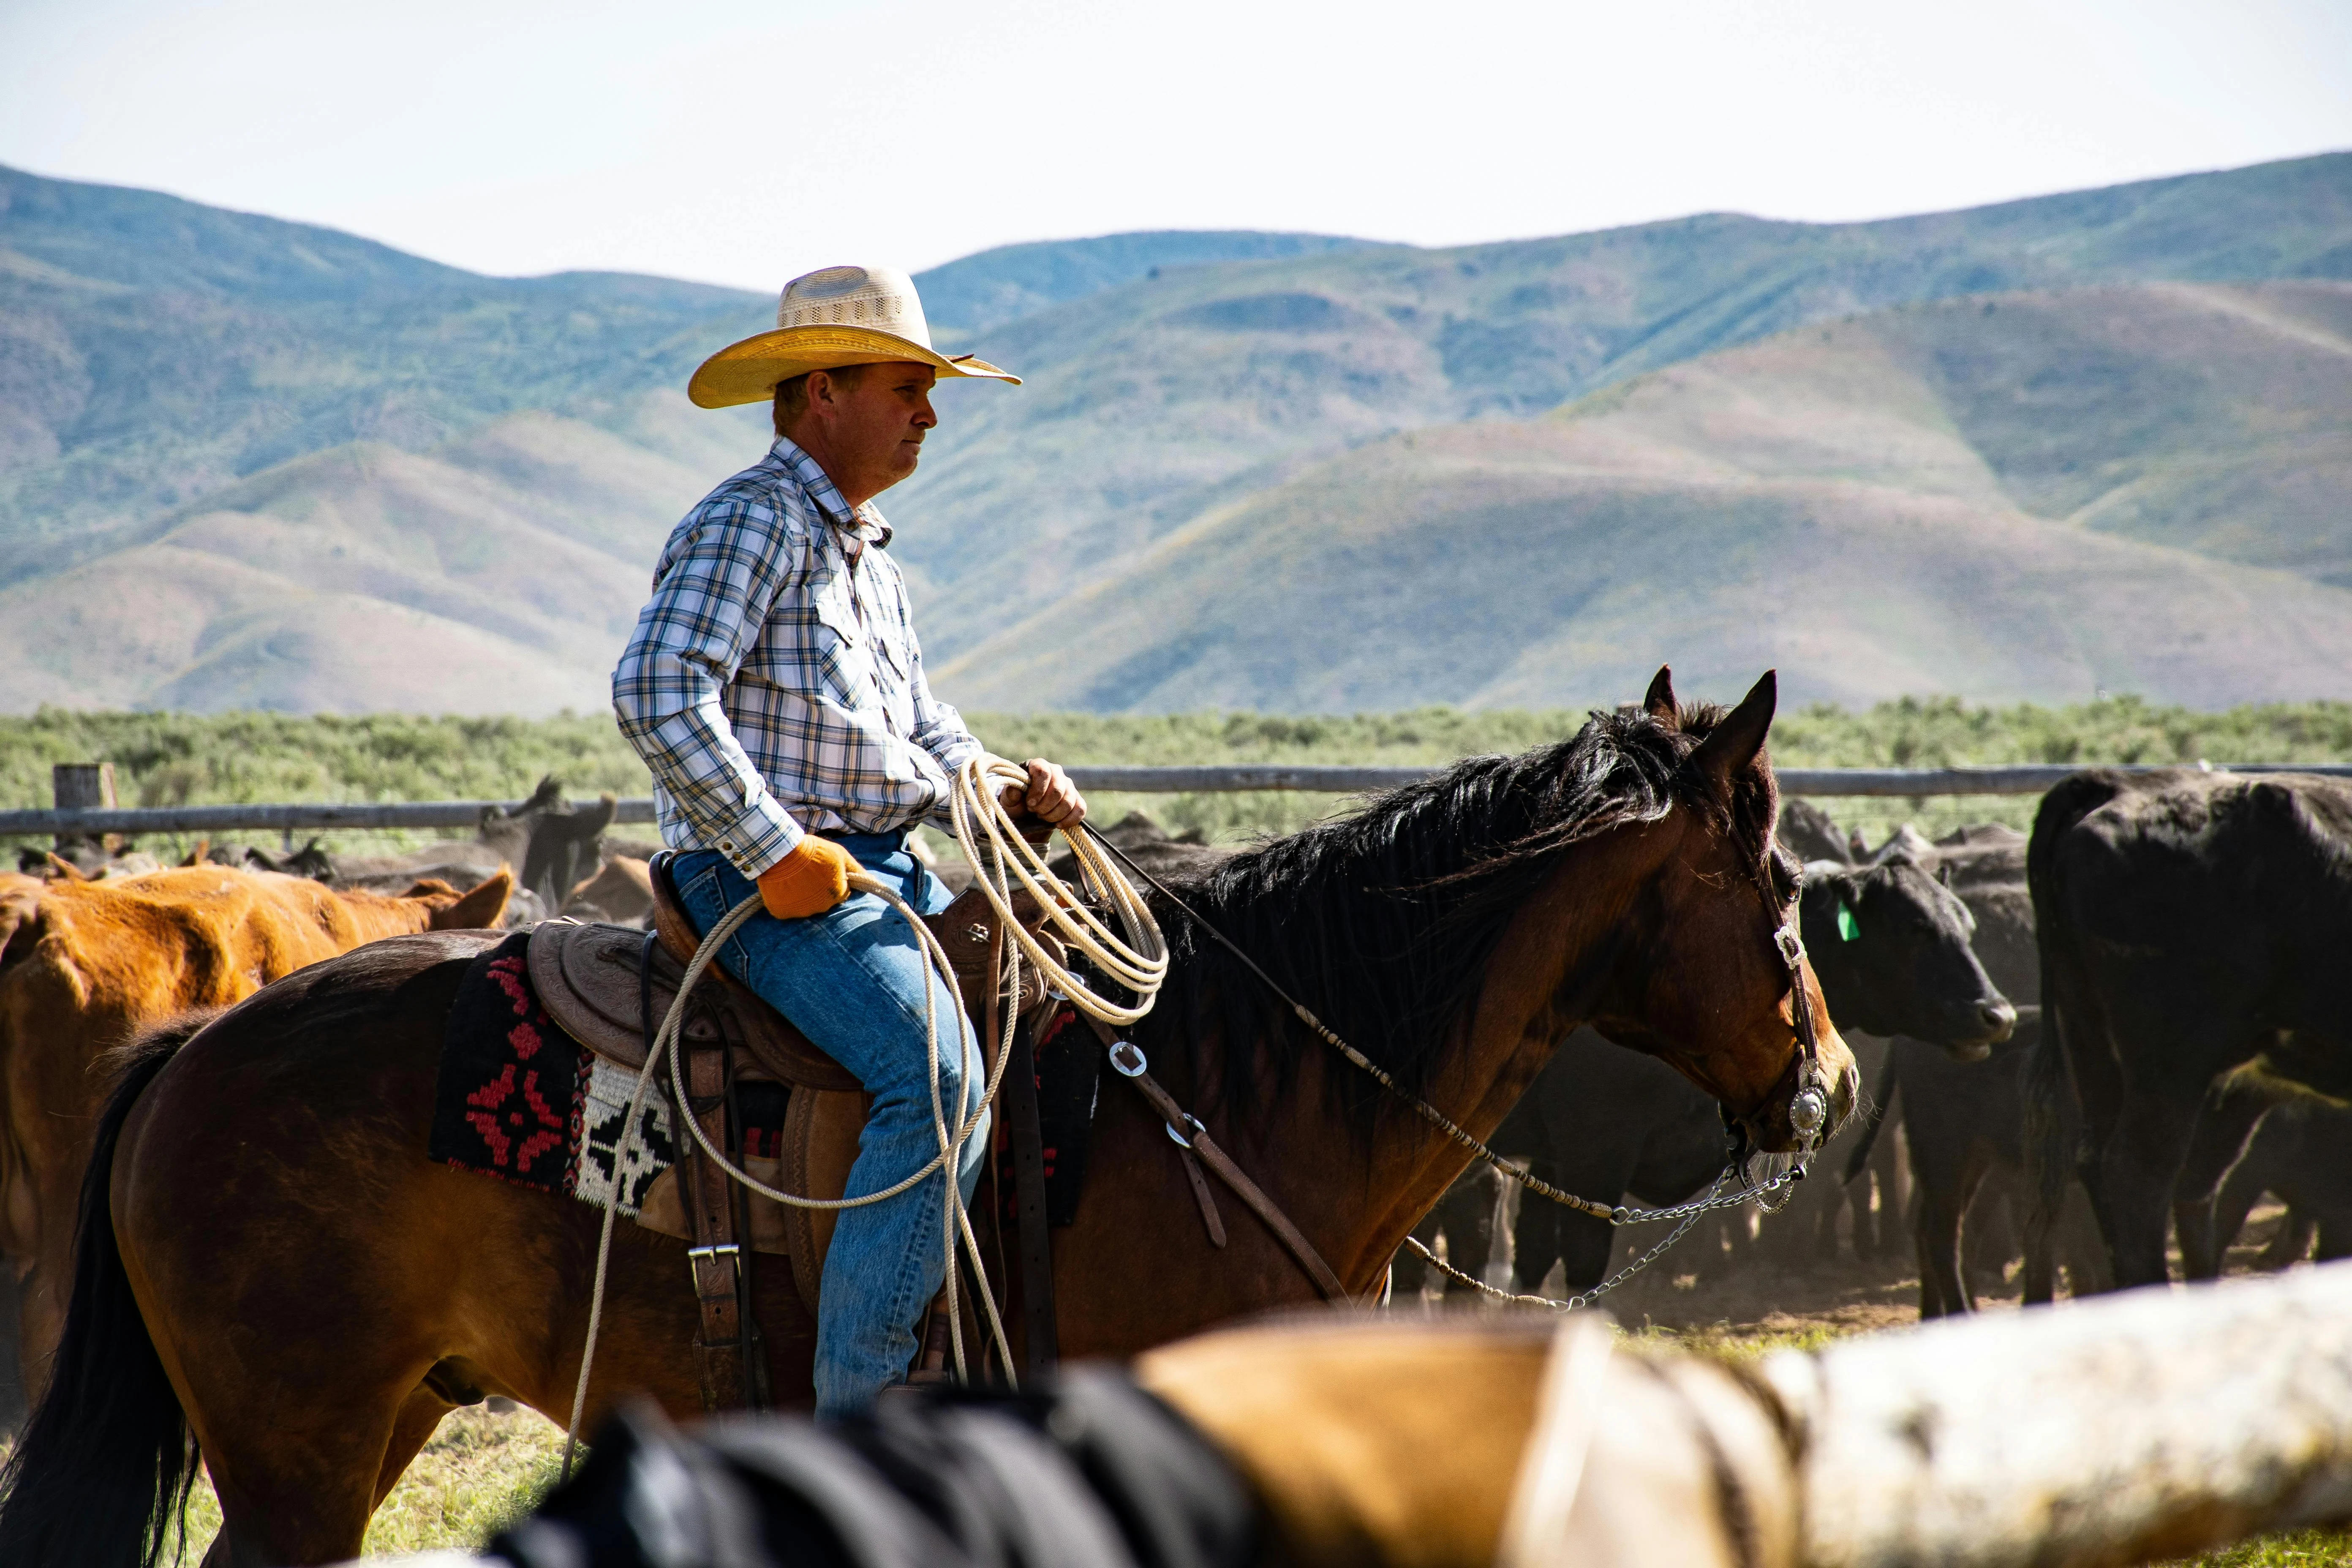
[{"x": 1135, "y": 958}]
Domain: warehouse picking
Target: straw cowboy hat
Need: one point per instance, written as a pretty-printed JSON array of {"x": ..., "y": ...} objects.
[{"x": 834, "y": 316}]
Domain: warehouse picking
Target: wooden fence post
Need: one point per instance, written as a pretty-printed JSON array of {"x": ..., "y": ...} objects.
[{"x": 83, "y": 786}]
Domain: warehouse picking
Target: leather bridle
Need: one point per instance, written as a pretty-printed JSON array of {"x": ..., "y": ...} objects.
[{"x": 1808, "y": 1105}]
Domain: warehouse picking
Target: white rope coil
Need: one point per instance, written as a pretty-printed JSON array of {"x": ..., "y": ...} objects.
[{"x": 992, "y": 843}]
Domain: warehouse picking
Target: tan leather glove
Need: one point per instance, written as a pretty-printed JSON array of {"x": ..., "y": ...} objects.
[{"x": 809, "y": 880}]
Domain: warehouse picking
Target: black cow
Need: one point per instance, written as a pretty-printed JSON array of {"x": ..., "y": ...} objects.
[
  {"x": 2235, "y": 1106},
  {"x": 2189, "y": 921},
  {"x": 1963, "y": 1123},
  {"x": 1894, "y": 980},
  {"x": 1894, "y": 950},
  {"x": 2257, "y": 1135},
  {"x": 1891, "y": 947},
  {"x": 1985, "y": 865},
  {"x": 551, "y": 846},
  {"x": 1807, "y": 832},
  {"x": 2301, "y": 1154}
]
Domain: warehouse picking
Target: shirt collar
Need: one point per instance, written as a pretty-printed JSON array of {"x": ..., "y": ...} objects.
[{"x": 865, "y": 523}]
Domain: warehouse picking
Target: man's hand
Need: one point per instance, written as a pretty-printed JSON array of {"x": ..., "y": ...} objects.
[
  {"x": 1051, "y": 797},
  {"x": 808, "y": 881}
]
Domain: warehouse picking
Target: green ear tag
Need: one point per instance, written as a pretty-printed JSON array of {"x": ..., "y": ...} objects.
[{"x": 1849, "y": 928}]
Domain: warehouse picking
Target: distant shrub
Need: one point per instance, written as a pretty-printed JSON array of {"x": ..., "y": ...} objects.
[{"x": 177, "y": 759}]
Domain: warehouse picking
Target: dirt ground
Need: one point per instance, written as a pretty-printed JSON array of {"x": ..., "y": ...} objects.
[{"x": 1748, "y": 1295}]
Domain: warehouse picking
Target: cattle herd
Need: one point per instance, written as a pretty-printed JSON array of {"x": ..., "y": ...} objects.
[
  {"x": 2199, "y": 946},
  {"x": 562, "y": 861},
  {"x": 2210, "y": 1082}
]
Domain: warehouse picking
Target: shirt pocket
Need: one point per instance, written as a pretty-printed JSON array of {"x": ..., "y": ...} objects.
[
  {"x": 892, "y": 662},
  {"x": 843, "y": 664}
]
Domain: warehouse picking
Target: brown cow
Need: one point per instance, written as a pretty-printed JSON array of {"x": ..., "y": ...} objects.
[
  {"x": 85, "y": 964},
  {"x": 623, "y": 891}
]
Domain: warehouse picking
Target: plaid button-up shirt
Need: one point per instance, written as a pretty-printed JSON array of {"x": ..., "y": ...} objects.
[{"x": 773, "y": 683}]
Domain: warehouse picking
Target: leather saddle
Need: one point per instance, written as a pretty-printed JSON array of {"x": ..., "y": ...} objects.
[{"x": 587, "y": 977}]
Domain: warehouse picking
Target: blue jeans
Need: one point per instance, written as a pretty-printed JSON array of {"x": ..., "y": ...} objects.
[{"x": 852, "y": 979}]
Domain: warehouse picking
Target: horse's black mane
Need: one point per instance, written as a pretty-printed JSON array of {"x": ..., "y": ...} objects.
[{"x": 1381, "y": 922}]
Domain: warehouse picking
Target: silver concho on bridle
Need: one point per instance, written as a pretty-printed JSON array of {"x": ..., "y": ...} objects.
[{"x": 1808, "y": 1108}]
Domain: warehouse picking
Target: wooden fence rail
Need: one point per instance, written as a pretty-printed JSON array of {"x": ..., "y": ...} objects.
[{"x": 2030, "y": 779}]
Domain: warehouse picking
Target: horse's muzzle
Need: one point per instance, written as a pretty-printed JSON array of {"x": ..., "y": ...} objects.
[{"x": 1776, "y": 1126}]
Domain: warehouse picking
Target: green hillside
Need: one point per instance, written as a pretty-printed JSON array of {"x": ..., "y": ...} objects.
[
  {"x": 152, "y": 350},
  {"x": 2010, "y": 497},
  {"x": 252, "y": 463},
  {"x": 1151, "y": 405},
  {"x": 987, "y": 290}
]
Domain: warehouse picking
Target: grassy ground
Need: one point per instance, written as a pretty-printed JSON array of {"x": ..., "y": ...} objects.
[
  {"x": 170, "y": 759},
  {"x": 479, "y": 1473}
]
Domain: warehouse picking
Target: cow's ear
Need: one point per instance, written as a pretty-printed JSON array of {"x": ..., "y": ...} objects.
[
  {"x": 480, "y": 910},
  {"x": 1944, "y": 873},
  {"x": 1659, "y": 702},
  {"x": 1734, "y": 743},
  {"x": 20, "y": 918}
]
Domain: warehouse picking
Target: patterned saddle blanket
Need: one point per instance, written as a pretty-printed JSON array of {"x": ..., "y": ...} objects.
[{"x": 522, "y": 1097}]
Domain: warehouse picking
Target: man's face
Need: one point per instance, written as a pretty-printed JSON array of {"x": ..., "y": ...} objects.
[{"x": 873, "y": 424}]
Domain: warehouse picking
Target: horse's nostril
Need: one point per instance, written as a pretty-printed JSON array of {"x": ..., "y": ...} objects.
[{"x": 1999, "y": 1015}]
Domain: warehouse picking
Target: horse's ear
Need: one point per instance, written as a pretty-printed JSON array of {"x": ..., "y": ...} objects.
[
  {"x": 1732, "y": 744},
  {"x": 1659, "y": 703}
]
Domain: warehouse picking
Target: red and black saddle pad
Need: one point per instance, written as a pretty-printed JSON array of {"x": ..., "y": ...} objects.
[
  {"x": 512, "y": 1090},
  {"x": 520, "y": 1100}
]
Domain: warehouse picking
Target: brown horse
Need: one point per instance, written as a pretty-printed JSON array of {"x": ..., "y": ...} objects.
[
  {"x": 284, "y": 1264},
  {"x": 85, "y": 965}
]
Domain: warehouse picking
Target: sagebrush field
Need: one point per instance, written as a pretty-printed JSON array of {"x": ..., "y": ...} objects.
[{"x": 173, "y": 759}]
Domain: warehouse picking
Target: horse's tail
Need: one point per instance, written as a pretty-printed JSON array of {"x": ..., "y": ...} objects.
[
  {"x": 1873, "y": 1119},
  {"x": 101, "y": 1475},
  {"x": 2045, "y": 1085}
]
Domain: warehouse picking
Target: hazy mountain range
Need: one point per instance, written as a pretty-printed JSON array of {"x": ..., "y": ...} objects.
[
  {"x": 2141, "y": 486},
  {"x": 2094, "y": 439}
]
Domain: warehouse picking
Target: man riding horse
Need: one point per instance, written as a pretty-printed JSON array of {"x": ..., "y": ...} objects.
[{"x": 774, "y": 687}]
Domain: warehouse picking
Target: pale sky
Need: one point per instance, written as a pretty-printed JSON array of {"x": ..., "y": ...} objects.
[{"x": 744, "y": 141}]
